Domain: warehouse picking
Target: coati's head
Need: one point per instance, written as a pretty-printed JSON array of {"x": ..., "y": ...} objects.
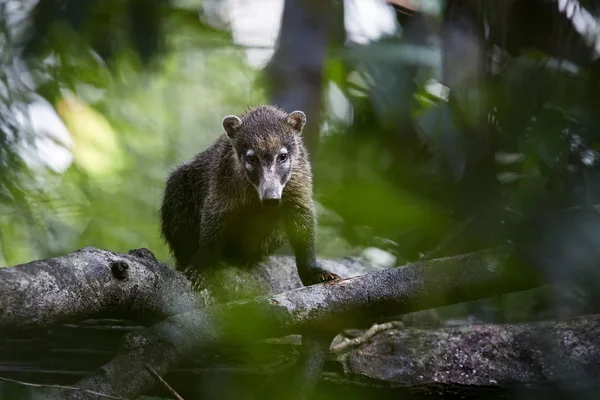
[{"x": 266, "y": 143}]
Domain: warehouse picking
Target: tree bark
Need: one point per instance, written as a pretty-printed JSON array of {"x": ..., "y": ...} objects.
[
  {"x": 563, "y": 354},
  {"x": 90, "y": 283},
  {"x": 325, "y": 308},
  {"x": 322, "y": 309}
]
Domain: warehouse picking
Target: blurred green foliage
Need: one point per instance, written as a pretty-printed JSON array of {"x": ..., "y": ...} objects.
[
  {"x": 405, "y": 164},
  {"x": 501, "y": 155},
  {"x": 157, "y": 116}
]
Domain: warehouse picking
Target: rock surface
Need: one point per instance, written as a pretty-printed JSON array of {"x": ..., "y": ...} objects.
[{"x": 563, "y": 353}]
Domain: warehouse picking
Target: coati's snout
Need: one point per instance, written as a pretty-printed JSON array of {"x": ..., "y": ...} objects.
[
  {"x": 270, "y": 197},
  {"x": 269, "y": 173}
]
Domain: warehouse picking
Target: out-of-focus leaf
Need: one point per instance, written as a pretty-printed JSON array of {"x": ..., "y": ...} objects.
[
  {"x": 106, "y": 26},
  {"x": 96, "y": 148}
]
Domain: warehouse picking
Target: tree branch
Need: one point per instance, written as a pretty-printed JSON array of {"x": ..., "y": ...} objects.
[
  {"x": 325, "y": 308},
  {"x": 562, "y": 353},
  {"x": 90, "y": 283},
  {"x": 161, "y": 380},
  {"x": 60, "y": 387}
]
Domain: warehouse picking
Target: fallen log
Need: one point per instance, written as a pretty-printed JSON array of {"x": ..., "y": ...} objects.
[
  {"x": 94, "y": 283},
  {"x": 90, "y": 283},
  {"x": 496, "y": 361},
  {"x": 326, "y": 308},
  {"x": 560, "y": 354}
]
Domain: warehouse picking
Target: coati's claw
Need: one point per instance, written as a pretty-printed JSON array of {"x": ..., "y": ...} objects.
[
  {"x": 327, "y": 276},
  {"x": 320, "y": 276}
]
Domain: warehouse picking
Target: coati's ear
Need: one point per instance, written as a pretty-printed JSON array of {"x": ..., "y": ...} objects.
[
  {"x": 232, "y": 125},
  {"x": 297, "y": 119}
]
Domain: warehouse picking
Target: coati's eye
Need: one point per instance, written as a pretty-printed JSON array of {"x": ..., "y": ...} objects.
[
  {"x": 283, "y": 155},
  {"x": 250, "y": 157}
]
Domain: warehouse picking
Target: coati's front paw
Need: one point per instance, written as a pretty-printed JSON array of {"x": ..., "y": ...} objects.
[{"x": 318, "y": 275}]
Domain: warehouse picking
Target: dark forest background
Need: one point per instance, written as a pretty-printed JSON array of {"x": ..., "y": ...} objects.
[{"x": 453, "y": 126}]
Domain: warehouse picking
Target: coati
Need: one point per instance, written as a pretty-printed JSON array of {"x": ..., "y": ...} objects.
[{"x": 238, "y": 200}]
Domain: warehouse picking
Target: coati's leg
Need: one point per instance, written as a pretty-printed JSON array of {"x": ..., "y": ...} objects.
[
  {"x": 208, "y": 248},
  {"x": 178, "y": 217},
  {"x": 301, "y": 230}
]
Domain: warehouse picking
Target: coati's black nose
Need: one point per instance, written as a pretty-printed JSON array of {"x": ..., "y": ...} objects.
[{"x": 271, "y": 203}]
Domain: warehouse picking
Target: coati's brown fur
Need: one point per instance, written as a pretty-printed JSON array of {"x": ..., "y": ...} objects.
[{"x": 238, "y": 200}]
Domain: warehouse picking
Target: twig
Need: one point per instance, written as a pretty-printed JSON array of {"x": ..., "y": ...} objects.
[
  {"x": 448, "y": 239},
  {"x": 157, "y": 376},
  {"x": 372, "y": 331},
  {"x": 62, "y": 387}
]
